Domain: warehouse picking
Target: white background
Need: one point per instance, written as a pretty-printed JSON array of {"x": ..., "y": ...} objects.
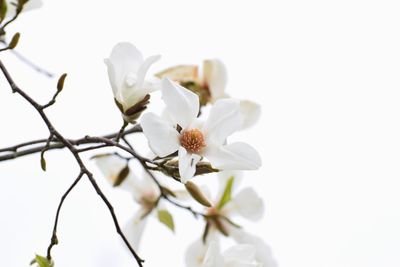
[{"x": 325, "y": 72}]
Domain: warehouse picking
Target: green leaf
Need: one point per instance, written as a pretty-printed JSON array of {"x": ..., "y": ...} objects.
[
  {"x": 42, "y": 261},
  {"x": 42, "y": 162},
  {"x": 3, "y": 9},
  {"x": 166, "y": 218},
  {"x": 227, "y": 195}
]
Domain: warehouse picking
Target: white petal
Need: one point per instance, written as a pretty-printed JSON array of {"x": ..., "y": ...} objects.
[
  {"x": 213, "y": 257},
  {"x": 125, "y": 58},
  {"x": 235, "y": 156},
  {"x": 162, "y": 136},
  {"x": 248, "y": 204},
  {"x": 241, "y": 253},
  {"x": 187, "y": 164},
  {"x": 251, "y": 112},
  {"x": 224, "y": 119},
  {"x": 215, "y": 76},
  {"x": 182, "y": 104},
  {"x": 145, "y": 188},
  {"x": 181, "y": 73},
  {"x": 133, "y": 230},
  {"x": 141, "y": 74},
  {"x": 110, "y": 166},
  {"x": 263, "y": 251},
  {"x": 195, "y": 254}
]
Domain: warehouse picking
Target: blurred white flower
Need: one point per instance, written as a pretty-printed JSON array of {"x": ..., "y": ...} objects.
[
  {"x": 263, "y": 253},
  {"x": 235, "y": 256},
  {"x": 144, "y": 191},
  {"x": 110, "y": 166},
  {"x": 209, "y": 254},
  {"x": 245, "y": 203},
  {"x": 198, "y": 139},
  {"x": 127, "y": 73},
  {"x": 228, "y": 204}
]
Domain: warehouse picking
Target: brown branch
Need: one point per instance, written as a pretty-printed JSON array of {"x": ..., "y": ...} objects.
[
  {"x": 55, "y": 144},
  {"x": 53, "y": 132}
]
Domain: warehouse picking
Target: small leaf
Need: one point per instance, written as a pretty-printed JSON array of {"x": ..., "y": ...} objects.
[
  {"x": 42, "y": 261},
  {"x": 121, "y": 176},
  {"x": 42, "y": 162},
  {"x": 14, "y": 41},
  {"x": 3, "y": 9},
  {"x": 227, "y": 195},
  {"x": 166, "y": 218},
  {"x": 196, "y": 193},
  {"x": 60, "y": 83}
]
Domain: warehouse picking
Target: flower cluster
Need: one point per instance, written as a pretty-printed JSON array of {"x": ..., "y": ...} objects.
[{"x": 188, "y": 140}]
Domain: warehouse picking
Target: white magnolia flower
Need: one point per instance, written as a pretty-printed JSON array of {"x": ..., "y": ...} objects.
[
  {"x": 210, "y": 255},
  {"x": 215, "y": 78},
  {"x": 212, "y": 86},
  {"x": 127, "y": 73},
  {"x": 247, "y": 204},
  {"x": 197, "y": 139}
]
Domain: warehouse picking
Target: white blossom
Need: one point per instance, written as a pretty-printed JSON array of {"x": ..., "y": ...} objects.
[
  {"x": 127, "y": 74},
  {"x": 209, "y": 254},
  {"x": 198, "y": 139}
]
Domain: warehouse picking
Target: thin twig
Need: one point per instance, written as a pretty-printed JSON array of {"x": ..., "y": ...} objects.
[
  {"x": 54, "y": 238},
  {"x": 53, "y": 132}
]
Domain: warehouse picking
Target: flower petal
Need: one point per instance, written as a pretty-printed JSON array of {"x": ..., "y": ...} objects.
[
  {"x": 125, "y": 58},
  {"x": 240, "y": 253},
  {"x": 213, "y": 257},
  {"x": 251, "y": 112},
  {"x": 110, "y": 166},
  {"x": 142, "y": 71},
  {"x": 263, "y": 251},
  {"x": 224, "y": 119},
  {"x": 216, "y": 77},
  {"x": 181, "y": 73},
  {"x": 248, "y": 204},
  {"x": 134, "y": 229},
  {"x": 235, "y": 156},
  {"x": 187, "y": 164},
  {"x": 182, "y": 104},
  {"x": 162, "y": 136},
  {"x": 195, "y": 254}
]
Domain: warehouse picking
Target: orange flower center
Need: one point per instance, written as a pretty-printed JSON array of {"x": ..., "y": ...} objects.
[{"x": 192, "y": 140}]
